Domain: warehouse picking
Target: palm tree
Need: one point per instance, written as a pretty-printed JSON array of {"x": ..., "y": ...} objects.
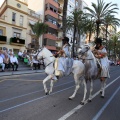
[
  {"x": 64, "y": 16},
  {"x": 89, "y": 28},
  {"x": 73, "y": 22},
  {"x": 38, "y": 29},
  {"x": 100, "y": 10},
  {"x": 110, "y": 20}
]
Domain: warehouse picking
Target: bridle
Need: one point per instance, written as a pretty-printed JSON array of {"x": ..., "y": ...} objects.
[{"x": 85, "y": 52}]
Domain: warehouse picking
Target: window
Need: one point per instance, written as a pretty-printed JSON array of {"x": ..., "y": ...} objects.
[
  {"x": 21, "y": 20},
  {"x": 1, "y": 32},
  {"x": 17, "y": 35},
  {"x": 13, "y": 17}
]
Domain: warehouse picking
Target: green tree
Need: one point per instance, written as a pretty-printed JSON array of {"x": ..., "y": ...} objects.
[
  {"x": 99, "y": 11},
  {"x": 74, "y": 23},
  {"x": 38, "y": 29},
  {"x": 110, "y": 20}
]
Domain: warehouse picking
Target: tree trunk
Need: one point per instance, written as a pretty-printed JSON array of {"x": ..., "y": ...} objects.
[
  {"x": 74, "y": 42},
  {"x": 106, "y": 37},
  {"x": 64, "y": 16},
  {"x": 97, "y": 29}
]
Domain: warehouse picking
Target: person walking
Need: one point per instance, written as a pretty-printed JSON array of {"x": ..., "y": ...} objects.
[{"x": 101, "y": 53}]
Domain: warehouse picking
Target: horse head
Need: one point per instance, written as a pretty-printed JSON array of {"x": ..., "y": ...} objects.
[{"x": 39, "y": 53}]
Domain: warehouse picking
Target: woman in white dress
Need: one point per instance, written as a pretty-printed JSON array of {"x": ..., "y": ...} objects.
[{"x": 101, "y": 54}]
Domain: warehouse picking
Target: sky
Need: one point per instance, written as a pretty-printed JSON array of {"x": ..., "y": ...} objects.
[{"x": 89, "y": 4}]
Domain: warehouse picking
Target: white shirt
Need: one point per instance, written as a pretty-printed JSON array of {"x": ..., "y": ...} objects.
[
  {"x": 13, "y": 59},
  {"x": 20, "y": 53},
  {"x": 1, "y": 60}
]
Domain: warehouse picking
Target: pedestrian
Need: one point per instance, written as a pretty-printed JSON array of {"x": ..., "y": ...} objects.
[
  {"x": 101, "y": 53},
  {"x": 2, "y": 64}
]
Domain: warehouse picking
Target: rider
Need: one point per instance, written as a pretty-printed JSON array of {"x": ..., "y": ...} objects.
[
  {"x": 101, "y": 53},
  {"x": 63, "y": 60}
]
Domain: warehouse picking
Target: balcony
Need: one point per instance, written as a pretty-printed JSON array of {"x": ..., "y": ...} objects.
[
  {"x": 51, "y": 13},
  {"x": 50, "y": 36},
  {"x": 17, "y": 41},
  {"x": 52, "y": 2},
  {"x": 33, "y": 14},
  {"x": 51, "y": 25},
  {"x": 3, "y": 39}
]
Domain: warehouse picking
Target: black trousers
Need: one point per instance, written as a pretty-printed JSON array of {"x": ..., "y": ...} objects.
[
  {"x": 36, "y": 65},
  {"x": 13, "y": 66}
]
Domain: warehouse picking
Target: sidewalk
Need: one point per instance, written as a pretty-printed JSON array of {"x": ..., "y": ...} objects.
[{"x": 19, "y": 72}]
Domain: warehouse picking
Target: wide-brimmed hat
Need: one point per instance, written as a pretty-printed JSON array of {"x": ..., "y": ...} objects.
[
  {"x": 66, "y": 39},
  {"x": 98, "y": 41}
]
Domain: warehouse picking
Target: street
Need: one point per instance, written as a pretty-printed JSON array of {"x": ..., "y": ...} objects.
[{"x": 22, "y": 97}]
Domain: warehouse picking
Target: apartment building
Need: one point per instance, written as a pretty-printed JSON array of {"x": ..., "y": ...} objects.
[
  {"x": 53, "y": 17},
  {"x": 14, "y": 25}
]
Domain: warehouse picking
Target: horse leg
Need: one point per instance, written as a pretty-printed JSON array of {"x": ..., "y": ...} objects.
[
  {"x": 44, "y": 83},
  {"x": 51, "y": 86},
  {"x": 85, "y": 92},
  {"x": 77, "y": 86},
  {"x": 103, "y": 84},
  {"x": 91, "y": 89}
]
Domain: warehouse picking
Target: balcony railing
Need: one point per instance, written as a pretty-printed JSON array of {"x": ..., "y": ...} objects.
[
  {"x": 33, "y": 14},
  {"x": 3, "y": 39},
  {"x": 17, "y": 41}
]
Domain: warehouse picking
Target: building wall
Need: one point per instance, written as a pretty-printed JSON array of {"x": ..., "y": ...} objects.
[{"x": 20, "y": 7}]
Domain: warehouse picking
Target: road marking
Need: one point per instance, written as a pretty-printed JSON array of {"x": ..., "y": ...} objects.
[
  {"x": 64, "y": 117},
  {"x": 69, "y": 113},
  {"x": 31, "y": 93},
  {"x": 24, "y": 80},
  {"x": 104, "y": 107},
  {"x": 33, "y": 100}
]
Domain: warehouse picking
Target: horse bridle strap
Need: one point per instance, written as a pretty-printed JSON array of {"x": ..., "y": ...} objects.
[{"x": 48, "y": 64}]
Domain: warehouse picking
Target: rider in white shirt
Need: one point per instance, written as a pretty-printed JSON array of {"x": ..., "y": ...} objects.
[{"x": 63, "y": 61}]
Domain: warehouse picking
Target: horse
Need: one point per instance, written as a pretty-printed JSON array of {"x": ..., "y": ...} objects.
[
  {"x": 78, "y": 69},
  {"x": 92, "y": 71}
]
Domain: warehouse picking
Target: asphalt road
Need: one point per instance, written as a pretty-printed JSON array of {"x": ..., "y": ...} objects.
[{"x": 22, "y": 98}]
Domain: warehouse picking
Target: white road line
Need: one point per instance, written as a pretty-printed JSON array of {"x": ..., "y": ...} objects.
[
  {"x": 31, "y": 93},
  {"x": 64, "y": 117},
  {"x": 10, "y": 108},
  {"x": 104, "y": 107}
]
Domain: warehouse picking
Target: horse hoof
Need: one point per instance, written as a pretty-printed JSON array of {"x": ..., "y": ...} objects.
[
  {"x": 69, "y": 98},
  {"x": 47, "y": 93},
  {"x": 82, "y": 103},
  {"x": 102, "y": 97},
  {"x": 89, "y": 100}
]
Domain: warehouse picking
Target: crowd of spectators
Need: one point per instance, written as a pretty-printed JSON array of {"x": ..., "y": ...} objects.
[
  {"x": 8, "y": 60},
  {"x": 31, "y": 59}
]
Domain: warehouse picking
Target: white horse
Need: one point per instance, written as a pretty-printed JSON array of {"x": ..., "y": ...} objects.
[
  {"x": 92, "y": 72},
  {"x": 77, "y": 69}
]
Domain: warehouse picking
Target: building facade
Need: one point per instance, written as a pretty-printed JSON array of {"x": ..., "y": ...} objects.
[
  {"x": 53, "y": 17},
  {"x": 14, "y": 25}
]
